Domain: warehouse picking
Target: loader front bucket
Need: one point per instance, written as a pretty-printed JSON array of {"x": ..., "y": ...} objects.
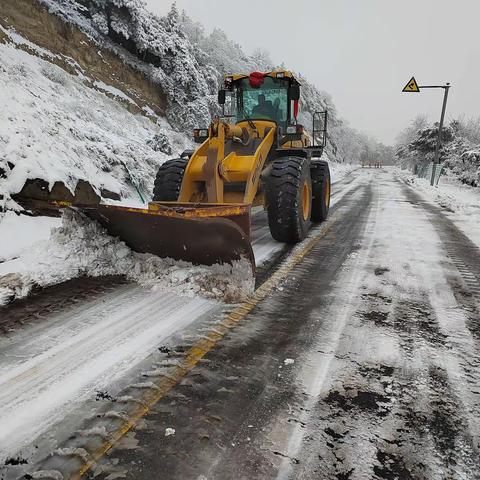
[{"x": 202, "y": 234}]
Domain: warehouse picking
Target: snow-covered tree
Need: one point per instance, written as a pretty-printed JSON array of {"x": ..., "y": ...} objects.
[
  {"x": 188, "y": 64},
  {"x": 460, "y": 152}
]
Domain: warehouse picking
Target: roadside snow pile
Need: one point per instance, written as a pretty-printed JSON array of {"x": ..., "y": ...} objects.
[
  {"x": 81, "y": 247},
  {"x": 460, "y": 202},
  {"x": 450, "y": 193},
  {"x": 19, "y": 232},
  {"x": 55, "y": 127},
  {"x": 340, "y": 170}
]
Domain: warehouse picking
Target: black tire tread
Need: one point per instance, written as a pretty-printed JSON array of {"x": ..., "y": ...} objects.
[
  {"x": 283, "y": 191},
  {"x": 320, "y": 173},
  {"x": 169, "y": 180}
]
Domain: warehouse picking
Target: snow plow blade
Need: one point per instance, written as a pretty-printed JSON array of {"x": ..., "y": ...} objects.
[{"x": 202, "y": 234}]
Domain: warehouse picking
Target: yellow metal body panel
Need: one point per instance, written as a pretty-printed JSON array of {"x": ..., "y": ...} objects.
[
  {"x": 227, "y": 167},
  {"x": 211, "y": 169}
]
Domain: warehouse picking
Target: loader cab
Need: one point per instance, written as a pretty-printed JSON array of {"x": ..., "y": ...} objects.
[{"x": 259, "y": 96}]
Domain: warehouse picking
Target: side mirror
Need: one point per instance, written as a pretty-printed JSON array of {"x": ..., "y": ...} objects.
[
  {"x": 294, "y": 92},
  {"x": 221, "y": 97}
]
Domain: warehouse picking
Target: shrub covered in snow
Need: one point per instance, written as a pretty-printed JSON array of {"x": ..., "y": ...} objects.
[
  {"x": 464, "y": 162},
  {"x": 460, "y": 152}
]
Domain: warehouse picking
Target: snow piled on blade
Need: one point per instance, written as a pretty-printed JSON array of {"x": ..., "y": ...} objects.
[{"x": 81, "y": 247}]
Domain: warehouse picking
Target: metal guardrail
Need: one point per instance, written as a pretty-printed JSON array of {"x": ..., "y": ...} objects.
[{"x": 425, "y": 171}]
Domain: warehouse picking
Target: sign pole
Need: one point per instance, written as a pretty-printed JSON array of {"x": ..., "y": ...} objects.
[
  {"x": 413, "y": 87},
  {"x": 436, "y": 162}
]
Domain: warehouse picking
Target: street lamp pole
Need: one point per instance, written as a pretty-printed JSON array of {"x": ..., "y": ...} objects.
[
  {"x": 436, "y": 162},
  {"x": 413, "y": 87}
]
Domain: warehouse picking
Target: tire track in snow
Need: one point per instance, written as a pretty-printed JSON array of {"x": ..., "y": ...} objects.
[
  {"x": 401, "y": 403},
  {"x": 89, "y": 350},
  {"x": 252, "y": 393},
  {"x": 463, "y": 253},
  {"x": 58, "y": 363}
]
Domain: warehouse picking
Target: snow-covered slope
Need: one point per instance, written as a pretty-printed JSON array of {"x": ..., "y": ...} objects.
[{"x": 56, "y": 127}]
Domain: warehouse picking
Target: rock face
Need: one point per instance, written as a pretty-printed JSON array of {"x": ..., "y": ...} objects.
[{"x": 67, "y": 42}]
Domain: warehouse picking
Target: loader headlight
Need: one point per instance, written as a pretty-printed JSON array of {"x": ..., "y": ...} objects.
[
  {"x": 280, "y": 74},
  {"x": 294, "y": 129}
]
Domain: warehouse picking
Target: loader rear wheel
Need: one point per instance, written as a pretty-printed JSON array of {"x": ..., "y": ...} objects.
[
  {"x": 169, "y": 180},
  {"x": 321, "y": 187},
  {"x": 289, "y": 199}
]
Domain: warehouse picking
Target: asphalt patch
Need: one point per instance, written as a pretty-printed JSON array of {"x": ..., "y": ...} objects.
[
  {"x": 391, "y": 467},
  {"x": 16, "y": 461},
  {"x": 378, "y": 318},
  {"x": 362, "y": 400},
  {"x": 104, "y": 396}
]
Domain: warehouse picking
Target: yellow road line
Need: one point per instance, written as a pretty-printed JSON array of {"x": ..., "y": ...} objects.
[{"x": 205, "y": 345}]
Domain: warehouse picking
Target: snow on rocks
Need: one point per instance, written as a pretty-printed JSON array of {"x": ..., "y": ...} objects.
[
  {"x": 82, "y": 247},
  {"x": 169, "y": 432},
  {"x": 55, "y": 127}
]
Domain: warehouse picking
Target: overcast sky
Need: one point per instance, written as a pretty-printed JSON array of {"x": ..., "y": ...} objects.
[{"x": 362, "y": 52}]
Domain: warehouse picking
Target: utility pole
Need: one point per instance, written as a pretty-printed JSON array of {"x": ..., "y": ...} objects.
[
  {"x": 413, "y": 87},
  {"x": 446, "y": 88}
]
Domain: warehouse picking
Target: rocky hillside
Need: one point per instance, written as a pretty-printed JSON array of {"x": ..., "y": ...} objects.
[{"x": 187, "y": 64}]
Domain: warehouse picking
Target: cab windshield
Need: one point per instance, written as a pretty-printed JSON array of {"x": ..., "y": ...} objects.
[{"x": 270, "y": 101}]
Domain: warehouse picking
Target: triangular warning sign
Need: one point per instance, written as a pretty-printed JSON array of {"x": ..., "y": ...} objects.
[{"x": 411, "y": 86}]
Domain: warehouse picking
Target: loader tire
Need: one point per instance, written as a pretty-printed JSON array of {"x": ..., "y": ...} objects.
[
  {"x": 289, "y": 199},
  {"x": 169, "y": 180},
  {"x": 321, "y": 188}
]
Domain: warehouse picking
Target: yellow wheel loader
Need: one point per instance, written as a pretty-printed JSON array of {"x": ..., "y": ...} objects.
[{"x": 256, "y": 155}]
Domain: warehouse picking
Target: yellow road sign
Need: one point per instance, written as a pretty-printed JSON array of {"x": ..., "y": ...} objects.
[{"x": 411, "y": 86}]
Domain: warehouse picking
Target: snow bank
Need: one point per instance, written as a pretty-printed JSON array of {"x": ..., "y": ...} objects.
[
  {"x": 340, "y": 170},
  {"x": 18, "y": 232},
  {"x": 461, "y": 202},
  {"x": 81, "y": 247}
]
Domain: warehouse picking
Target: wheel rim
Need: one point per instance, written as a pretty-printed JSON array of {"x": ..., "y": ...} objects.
[
  {"x": 306, "y": 200},
  {"x": 327, "y": 193}
]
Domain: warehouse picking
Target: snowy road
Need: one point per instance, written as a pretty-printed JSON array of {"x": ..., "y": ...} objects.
[
  {"x": 78, "y": 343},
  {"x": 363, "y": 363}
]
